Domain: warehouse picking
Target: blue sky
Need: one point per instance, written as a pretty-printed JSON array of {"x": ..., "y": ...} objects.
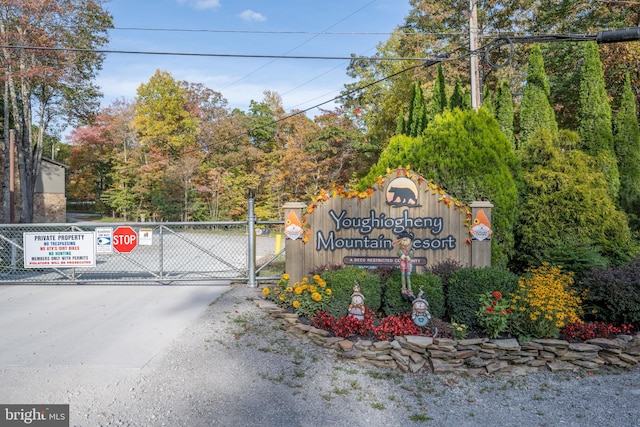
[{"x": 302, "y": 83}]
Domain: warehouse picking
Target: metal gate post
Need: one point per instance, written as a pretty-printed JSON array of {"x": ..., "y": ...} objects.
[
  {"x": 161, "y": 251},
  {"x": 251, "y": 229}
]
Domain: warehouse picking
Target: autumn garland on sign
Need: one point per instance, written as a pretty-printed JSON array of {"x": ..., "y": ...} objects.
[{"x": 339, "y": 191}]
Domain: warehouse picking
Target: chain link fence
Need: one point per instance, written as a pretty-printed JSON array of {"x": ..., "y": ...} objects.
[{"x": 165, "y": 253}]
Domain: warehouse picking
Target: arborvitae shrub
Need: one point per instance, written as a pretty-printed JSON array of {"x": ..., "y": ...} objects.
[
  {"x": 342, "y": 281},
  {"x": 613, "y": 294},
  {"x": 393, "y": 304},
  {"x": 467, "y": 284},
  {"x": 444, "y": 269},
  {"x": 575, "y": 256}
]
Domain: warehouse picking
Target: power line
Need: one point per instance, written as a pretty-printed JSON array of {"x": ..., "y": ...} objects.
[
  {"x": 612, "y": 36},
  {"x": 310, "y": 80},
  {"x": 197, "y": 54},
  {"x": 264, "y": 32},
  {"x": 425, "y": 63},
  {"x": 296, "y": 47}
]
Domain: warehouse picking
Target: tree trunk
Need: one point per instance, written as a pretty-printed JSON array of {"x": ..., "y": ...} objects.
[
  {"x": 6, "y": 196},
  {"x": 25, "y": 155}
]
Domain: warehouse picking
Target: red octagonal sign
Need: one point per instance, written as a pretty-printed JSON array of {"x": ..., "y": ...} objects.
[{"x": 125, "y": 239}]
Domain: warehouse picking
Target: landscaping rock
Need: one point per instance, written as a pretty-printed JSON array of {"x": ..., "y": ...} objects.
[{"x": 477, "y": 356}]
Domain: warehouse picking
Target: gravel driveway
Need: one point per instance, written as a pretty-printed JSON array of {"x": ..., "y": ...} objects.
[{"x": 233, "y": 367}]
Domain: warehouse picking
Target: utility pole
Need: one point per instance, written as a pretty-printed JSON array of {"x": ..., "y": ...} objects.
[{"x": 474, "y": 59}]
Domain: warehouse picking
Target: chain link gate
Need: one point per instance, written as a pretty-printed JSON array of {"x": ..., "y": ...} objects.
[{"x": 172, "y": 253}]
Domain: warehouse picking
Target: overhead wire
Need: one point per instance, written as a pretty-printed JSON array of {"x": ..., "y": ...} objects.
[
  {"x": 197, "y": 54},
  {"x": 264, "y": 32},
  {"x": 299, "y": 45},
  {"x": 601, "y": 37},
  {"x": 315, "y": 78},
  {"x": 424, "y": 62}
]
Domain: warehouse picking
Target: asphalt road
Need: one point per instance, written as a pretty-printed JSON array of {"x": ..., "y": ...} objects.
[{"x": 118, "y": 326}]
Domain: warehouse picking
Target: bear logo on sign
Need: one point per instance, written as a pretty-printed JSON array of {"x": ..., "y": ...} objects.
[{"x": 402, "y": 192}]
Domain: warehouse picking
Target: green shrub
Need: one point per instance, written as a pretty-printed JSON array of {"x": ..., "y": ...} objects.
[
  {"x": 574, "y": 256},
  {"x": 343, "y": 280},
  {"x": 468, "y": 284},
  {"x": 393, "y": 304},
  {"x": 444, "y": 269},
  {"x": 613, "y": 294}
]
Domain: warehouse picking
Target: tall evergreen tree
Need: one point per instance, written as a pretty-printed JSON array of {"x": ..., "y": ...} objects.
[
  {"x": 439, "y": 101},
  {"x": 595, "y": 118},
  {"x": 417, "y": 112},
  {"x": 627, "y": 147},
  {"x": 536, "y": 111},
  {"x": 457, "y": 97},
  {"x": 416, "y": 120},
  {"x": 504, "y": 110},
  {"x": 487, "y": 100}
]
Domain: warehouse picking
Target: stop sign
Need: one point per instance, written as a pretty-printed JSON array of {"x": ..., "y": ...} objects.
[{"x": 125, "y": 239}]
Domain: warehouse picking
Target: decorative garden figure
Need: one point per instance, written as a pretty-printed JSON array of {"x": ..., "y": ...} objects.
[
  {"x": 356, "y": 308},
  {"x": 405, "y": 253},
  {"x": 420, "y": 313}
]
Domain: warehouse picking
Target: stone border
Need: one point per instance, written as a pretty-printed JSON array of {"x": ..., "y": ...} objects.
[{"x": 481, "y": 356}]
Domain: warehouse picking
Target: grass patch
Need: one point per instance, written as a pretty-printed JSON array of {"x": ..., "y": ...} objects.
[
  {"x": 346, "y": 371},
  {"x": 275, "y": 268},
  {"x": 420, "y": 418},
  {"x": 341, "y": 391},
  {"x": 387, "y": 375}
]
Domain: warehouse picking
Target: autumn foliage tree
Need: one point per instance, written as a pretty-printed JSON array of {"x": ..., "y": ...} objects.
[
  {"x": 58, "y": 77},
  {"x": 167, "y": 154}
]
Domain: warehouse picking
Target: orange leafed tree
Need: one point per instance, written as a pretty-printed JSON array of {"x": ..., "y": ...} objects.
[{"x": 48, "y": 62}]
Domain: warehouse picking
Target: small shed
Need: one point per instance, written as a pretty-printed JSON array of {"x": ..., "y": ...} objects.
[{"x": 50, "y": 201}]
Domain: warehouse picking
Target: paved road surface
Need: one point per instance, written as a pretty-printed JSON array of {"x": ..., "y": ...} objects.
[{"x": 119, "y": 326}]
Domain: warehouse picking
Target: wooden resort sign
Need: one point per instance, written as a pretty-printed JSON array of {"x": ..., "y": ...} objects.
[{"x": 363, "y": 228}]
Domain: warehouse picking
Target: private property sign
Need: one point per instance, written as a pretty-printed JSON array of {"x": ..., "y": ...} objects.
[{"x": 55, "y": 249}]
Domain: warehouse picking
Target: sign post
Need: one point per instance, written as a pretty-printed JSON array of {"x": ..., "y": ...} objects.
[{"x": 125, "y": 239}]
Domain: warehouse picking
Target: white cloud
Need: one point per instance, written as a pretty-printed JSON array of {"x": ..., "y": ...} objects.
[
  {"x": 201, "y": 4},
  {"x": 251, "y": 16}
]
